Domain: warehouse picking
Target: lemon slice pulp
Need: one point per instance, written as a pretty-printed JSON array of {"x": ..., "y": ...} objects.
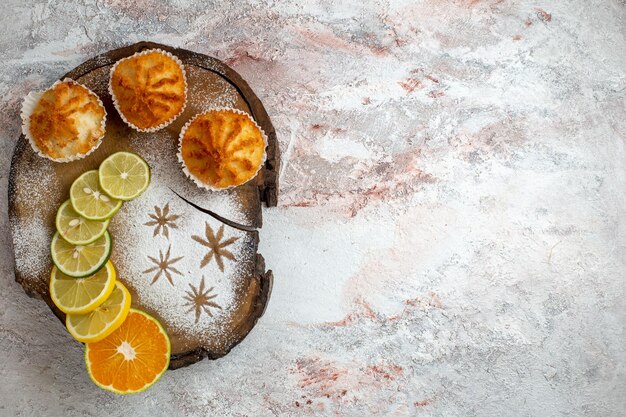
[
  {"x": 89, "y": 200},
  {"x": 80, "y": 261},
  {"x": 81, "y": 295},
  {"x": 76, "y": 229},
  {"x": 104, "y": 320},
  {"x": 124, "y": 175}
]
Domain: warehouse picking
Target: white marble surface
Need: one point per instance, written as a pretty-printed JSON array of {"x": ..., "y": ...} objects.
[{"x": 451, "y": 236}]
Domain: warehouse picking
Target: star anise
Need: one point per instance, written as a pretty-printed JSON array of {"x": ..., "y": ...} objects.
[
  {"x": 162, "y": 220},
  {"x": 164, "y": 266},
  {"x": 216, "y": 246},
  {"x": 199, "y": 299}
]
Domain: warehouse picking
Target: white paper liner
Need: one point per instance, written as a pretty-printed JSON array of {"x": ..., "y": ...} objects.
[
  {"x": 28, "y": 106},
  {"x": 115, "y": 102},
  {"x": 197, "y": 180}
]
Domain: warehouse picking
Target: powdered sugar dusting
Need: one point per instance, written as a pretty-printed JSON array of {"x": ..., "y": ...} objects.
[
  {"x": 135, "y": 243},
  {"x": 32, "y": 231},
  {"x": 33, "y": 234},
  {"x": 224, "y": 95}
]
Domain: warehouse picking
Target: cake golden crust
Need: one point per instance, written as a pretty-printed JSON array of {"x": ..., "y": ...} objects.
[
  {"x": 222, "y": 148},
  {"x": 149, "y": 89},
  {"x": 67, "y": 121}
]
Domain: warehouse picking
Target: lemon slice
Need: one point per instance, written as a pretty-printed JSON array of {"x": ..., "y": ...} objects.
[
  {"x": 124, "y": 175},
  {"x": 104, "y": 320},
  {"x": 89, "y": 200},
  {"x": 77, "y": 260},
  {"x": 81, "y": 295},
  {"x": 76, "y": 229}
]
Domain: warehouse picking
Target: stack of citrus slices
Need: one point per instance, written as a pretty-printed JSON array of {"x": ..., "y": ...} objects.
[{"x": 126, "y": 350}]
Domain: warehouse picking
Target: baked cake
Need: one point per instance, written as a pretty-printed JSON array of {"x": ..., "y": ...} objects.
[
  {"x": 149, "y": 89},
  {"x": 64, "y": 123},
  {"x": 221, "y": 148}
]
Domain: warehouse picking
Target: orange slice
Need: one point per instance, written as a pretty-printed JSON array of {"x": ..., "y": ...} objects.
[{"x": 132, "y": 358}]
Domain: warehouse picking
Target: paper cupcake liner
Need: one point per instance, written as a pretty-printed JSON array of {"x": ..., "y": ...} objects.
[
  {"x": 28, "y": 106},
  {"x": 197, "y": 180},
  {"x": 116, "y": 104}
]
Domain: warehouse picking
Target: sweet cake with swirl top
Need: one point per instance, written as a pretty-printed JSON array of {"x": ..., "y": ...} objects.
[
  {"x": 149, "y": 89},
  {"x": 221, "y": 148}
]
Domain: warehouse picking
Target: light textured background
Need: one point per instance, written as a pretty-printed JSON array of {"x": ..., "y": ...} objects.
[{"x": 451, "y": 233}]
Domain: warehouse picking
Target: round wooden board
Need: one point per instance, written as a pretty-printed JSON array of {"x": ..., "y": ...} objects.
[{"x": 38, "y": 186}]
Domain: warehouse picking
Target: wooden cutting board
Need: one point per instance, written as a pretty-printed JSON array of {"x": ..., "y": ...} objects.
[{"x": 208, "y": 302}]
